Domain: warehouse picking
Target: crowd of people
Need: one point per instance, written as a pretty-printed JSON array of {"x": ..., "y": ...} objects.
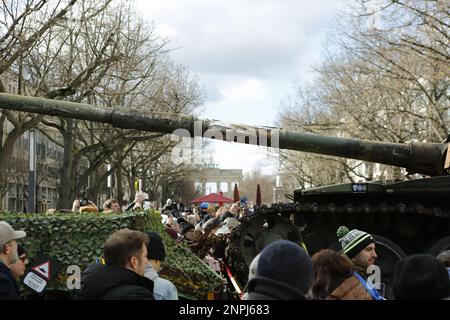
[{"x": 283, "y": 270}]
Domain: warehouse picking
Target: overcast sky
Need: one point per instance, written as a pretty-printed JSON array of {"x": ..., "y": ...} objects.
[{"x": 247, "y": 54}]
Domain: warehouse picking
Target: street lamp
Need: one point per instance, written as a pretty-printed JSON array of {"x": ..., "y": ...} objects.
[
  {"x": 31, "y": 208},
  {"x": 109, "y": 182}
]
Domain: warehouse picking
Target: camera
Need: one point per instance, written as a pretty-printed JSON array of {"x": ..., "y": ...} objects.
[{"x": 84, "y": 202}]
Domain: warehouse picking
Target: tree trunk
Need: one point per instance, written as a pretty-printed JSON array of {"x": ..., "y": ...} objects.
[
  {"x": 97, "y": 185},
  {"x": 68, "y": 170},
  {"x": 131, "y": 187},
  {"x": 5, "y": 160},
  {"x": 119, "y": 186}
]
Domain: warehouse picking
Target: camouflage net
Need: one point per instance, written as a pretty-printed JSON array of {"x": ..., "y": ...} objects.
[
  {"x": 201, "y": 244},
  {"x": 77, "y": 239}
]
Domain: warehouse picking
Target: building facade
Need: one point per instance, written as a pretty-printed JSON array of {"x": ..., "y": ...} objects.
[
  {"x": 215, "y": 180},
  {"x": 49, "y": 158}
]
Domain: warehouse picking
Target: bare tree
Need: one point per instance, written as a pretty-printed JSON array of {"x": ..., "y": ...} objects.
[
  {"x": 387, "y": 80},
  {"x": 23, "y": 25},
  {"x": 104, "y": 56}
]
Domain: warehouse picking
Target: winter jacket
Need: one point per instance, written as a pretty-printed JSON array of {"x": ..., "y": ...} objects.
[
  {"x": 163, "y": 288},
  {"x": 262, "y": 288},
  {"x": 103, "y": 282},
  {"x": 362, "y": 270},
  {"x": 9, "y": 289},
  {"x": 350, "y": 289}
]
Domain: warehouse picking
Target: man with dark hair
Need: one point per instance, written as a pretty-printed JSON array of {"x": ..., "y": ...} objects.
[
  {"x": 122, "y": 278},
  {"x": 9, "y": 289},
  {"x": 111, "y": 206}
]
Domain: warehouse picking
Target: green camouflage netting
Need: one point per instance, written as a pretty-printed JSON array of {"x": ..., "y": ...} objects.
[{"x": 77, "y": 239}]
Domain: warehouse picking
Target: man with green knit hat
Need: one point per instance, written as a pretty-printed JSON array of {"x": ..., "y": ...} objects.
[{"x": 359, "y": 247}]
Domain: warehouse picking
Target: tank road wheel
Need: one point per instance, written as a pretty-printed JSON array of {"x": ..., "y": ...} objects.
[
  {"x": 440, "y": 246},
  {"x": 263, "y": 230},
  {"x": 389, "y": 253},
  {"x": 254, "y": 234}
]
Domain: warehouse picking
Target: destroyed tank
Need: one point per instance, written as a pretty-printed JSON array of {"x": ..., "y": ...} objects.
[{"x": 405, "y": 217}]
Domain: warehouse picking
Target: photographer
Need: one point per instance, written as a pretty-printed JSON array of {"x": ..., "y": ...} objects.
[{"x": 139, "y": 202}]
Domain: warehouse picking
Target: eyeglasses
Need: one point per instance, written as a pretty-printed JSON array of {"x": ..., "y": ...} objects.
[{"x": 24, "y": 260}]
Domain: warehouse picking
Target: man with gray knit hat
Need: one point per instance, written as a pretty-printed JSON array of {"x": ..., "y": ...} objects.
[
  {"x": 8, "y": 255},
  {"x": 359, "y": 246}
]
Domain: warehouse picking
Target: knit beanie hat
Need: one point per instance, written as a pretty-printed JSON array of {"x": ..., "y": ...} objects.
[
  {"x": 421, "y": 276},
  {"x": 185, "y": 227},
  {"x": 286, "y": 262},
  {"x": 353, "y": 242},
  {"x": 155, "y": 247}
]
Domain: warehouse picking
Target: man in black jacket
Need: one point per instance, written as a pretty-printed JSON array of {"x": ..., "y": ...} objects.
[
  {"x": 8, "y": 255},
  {"x": 122, "y": 278}
]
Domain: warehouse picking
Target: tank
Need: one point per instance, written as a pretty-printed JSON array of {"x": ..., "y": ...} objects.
[{"x": 405, "y": 217}]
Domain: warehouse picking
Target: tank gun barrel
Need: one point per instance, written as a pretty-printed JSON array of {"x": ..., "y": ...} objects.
[{"x": 431, "y": 159}]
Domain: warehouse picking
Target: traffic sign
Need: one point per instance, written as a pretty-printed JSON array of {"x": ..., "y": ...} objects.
[
  {"x": 43, "y": 269},
  {"x": 45, "y": 266}
]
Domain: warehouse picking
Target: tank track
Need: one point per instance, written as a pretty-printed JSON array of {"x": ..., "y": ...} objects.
[{"x": 401, "y": 219}]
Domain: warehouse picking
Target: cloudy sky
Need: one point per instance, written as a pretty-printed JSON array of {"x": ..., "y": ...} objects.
[{"x": 248, "y": 55}]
